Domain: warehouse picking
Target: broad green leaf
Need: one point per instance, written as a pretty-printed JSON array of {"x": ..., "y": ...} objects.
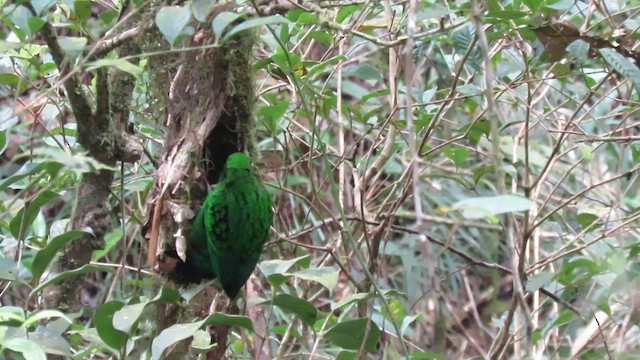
[
  {"x": 25, "y": 217},
  {"x": 426, "y": 355},
  {"x": 29, "y": 349},
  {"x": 321, "y": 36},
  {"x": 462, "y": 39},
  {"x": 351, "y": 335},
  {"x": 12, "y": 313},
  {"x": 172, "y": 335},
  {"x": 9, "y": 270},
  {"x": 351, "y": 299},
  {"x": 40, "y": 6},
  {"x": 201, "y": 9},
  {"x": 395, "y": 313},
  {"x": 51, "y": 342},
  {"x": 71, "y": 273},
  {"x": 119, "y": 64},
  {"x": 565, "y": 317},
  {"x": 407, "y": 321},
  {"x": 221, "y": 22},
  {"x": 533, "y": 5},
  {"x": 103, "y": 319},
  {"x": 578, "y": 51},
  {"x": 8, "y": 117},
  {"x": 111, "y": 239},
  {"x": 253, "y": 23},
  {"x": 326, "y": 276},
  {"x": 586, "y": 219},
  {"x": 10, "y": 80},
  {"x": 229, "y": 320},
  {"x": 271, "y": 267},
  {"x": 324, "y": 66},
  {"x": 307, "y": 313},
  {"x": 457, "y": 154},
  {"x": 504, "y": 15},
  {"x": 363, "y": 71},
  {"x": 202, "y": 342},
  {"x": 171, "y": 20},
  {"x": 20, "y": 16},
  {"x": 43, "y": 257},
  {"x": 180, "y": 332},
  {"x": 44, "y": 314},
  {"x": 3, "y": 141},
  {"x": 125, "y": 317},
  {"x": 72, "y": 46},
  {"x": 481, "y": 207},
  {"x": 539, "y": 280},
  {"x": 622, "y": 65},
  {"x": 82, "y": 9}
]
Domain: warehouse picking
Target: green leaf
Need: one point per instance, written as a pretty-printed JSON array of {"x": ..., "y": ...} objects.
[
  {"x": 82, "y": 9},
  {"x": 201, "y": 9},
  {"x": 202, "y": 342},
  {"x": 396, "y": 312},
  {"x": 3, "y": 141},
  {"x": 20, "y": 16},
  {"x": 326, "y": 276},
  {"x": 72, "y": 46},
  {"x": 504, "y": 15},
  {"x": 539, "y": 280},
  {"x": 271, "y": 114},
  {"x": 622, "y": 65},
  {"x": 10, "y": 270},
  {"x": 111, "y": 239},
  {"x": 29, "y": 349},
  {"x": 171, "y": 20},
  {"x": 222, "y": 21},
  {"x": 10, "y": 80},
  {"x": 481, "y": 207},
  {"x": 172, "y": 335},
  {"x": 426, "y": 355},
  {"x": 351, "y": 335},
  {"x": 28, "y": 213},
  {"x": 407, "y": 321},
  {"x": 178, "y": 332},
  {"x": 43, "y": 257},
  {"x": 44, "y": 314},
  {"x": 8, "y": 117},
  {"x": 586, "y": 219},
  {"x": 321, "y": 36},
  {"x": 533, "y": 5},
  {"x": 462, "y": 39},
  {"x": 253, "y": 23},
  {"x": 103, "y": 319},
  {"x": 125, "y": 317},
  {"x": 351, "y": 299},
  {"x": 276, "y": 270},
  {"x": 304, "y": 309},
  {"x": 71, "y": 273},
  {"x": 229, "y": 320},
  {"x": 578, "y": 51},
  {"x": 119, "y": 64},
  {"x": 363, "y": 71},
  {"x": 457, "y": 154},
  {"x": 40, "y": 6}
]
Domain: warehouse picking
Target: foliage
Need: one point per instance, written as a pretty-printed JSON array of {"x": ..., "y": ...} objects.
[{"x": 448, "y": 182}]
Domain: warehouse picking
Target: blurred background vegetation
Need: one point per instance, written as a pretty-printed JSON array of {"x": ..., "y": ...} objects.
[{"x": 452, "y": 179}]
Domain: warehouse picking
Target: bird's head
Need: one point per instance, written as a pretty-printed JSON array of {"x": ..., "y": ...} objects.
[{"x": 238, "y": 161}]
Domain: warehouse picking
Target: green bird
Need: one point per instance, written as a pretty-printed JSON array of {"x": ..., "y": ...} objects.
[{"x": 231, "y": 228}]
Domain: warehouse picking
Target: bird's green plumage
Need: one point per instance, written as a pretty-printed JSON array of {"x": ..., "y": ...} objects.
[{"x": 234, "y": 224}]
